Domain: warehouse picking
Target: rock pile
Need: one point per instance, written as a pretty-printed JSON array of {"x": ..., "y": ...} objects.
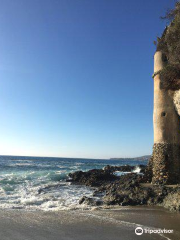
[
  {"x": 172, "y": 201},
  {"x": 129, "y": 189}
]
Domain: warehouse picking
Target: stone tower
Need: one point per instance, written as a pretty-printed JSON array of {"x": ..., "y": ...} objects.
[{"x": 166, "y": 149}]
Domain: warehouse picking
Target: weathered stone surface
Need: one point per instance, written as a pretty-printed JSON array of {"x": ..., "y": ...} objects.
[
  {"x": 128, "y": 189},
  {"x": 93, "y": 178},
  {"x": 124, "y": 168},
  {"x": 166, "y": 121},
  {"x": 148, "y": 172},
  {"x": 172, "y": 201},
  {"x": 166, "y": 163},
  {"x": 90, "y": 201},
  {"x": 98, "y": 177},
  {"x": 124, "y": 191}
]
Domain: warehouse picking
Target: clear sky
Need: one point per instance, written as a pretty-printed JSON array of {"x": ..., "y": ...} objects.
[{"x": 75, "y": 76}]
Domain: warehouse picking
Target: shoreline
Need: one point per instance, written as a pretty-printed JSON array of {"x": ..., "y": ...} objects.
[
  {"x": 120, "y": 206},
  {"x": 114, "y": 223}
]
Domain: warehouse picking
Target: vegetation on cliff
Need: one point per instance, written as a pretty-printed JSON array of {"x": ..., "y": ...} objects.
[{"x": 169, "y": 44}]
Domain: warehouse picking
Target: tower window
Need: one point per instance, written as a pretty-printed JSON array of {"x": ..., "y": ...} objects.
[{"x": 163, "y": 114}]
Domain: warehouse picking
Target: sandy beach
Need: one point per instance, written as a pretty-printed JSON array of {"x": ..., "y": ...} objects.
[{"x": 106, "y": 224}]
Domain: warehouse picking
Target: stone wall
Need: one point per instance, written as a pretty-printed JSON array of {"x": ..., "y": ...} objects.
[
  {"x": 148, "y": 174},
  {"x": 166, "y": 163}
]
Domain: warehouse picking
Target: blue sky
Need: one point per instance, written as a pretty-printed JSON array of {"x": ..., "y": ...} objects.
[{"x": 75, "y": 76}]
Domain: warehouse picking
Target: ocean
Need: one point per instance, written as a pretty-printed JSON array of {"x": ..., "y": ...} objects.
[{"x": 39, "y": 183}]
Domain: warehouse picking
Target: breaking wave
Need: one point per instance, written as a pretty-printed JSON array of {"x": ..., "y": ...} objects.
[{"x": 40, "y": 183}]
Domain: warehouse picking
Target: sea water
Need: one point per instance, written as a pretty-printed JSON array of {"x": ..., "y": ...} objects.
[{"x": 37, "y": 183}]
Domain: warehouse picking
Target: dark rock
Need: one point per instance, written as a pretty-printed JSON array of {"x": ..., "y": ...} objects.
[
  {"x": 143, "y": 168},
  {"x": 148, "y": 171},
  {"x": 93, "y": 178},
  {"x": 99, "y": 177},
  {"x": 172, "y": 200},
  {"x": 124, "y": 168},
  {"x": 69, "y": 180},
  {"x": 98, "y": 193},
  {"x": 126, "y": 190},
  {"x": 76, "y": 176},
  {"x": 81, "y": 200},
  {"x": 90, "y": 201}
]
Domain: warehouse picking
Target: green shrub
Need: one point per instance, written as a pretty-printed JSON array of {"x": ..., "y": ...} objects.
[{"x": 169, "y": 44}]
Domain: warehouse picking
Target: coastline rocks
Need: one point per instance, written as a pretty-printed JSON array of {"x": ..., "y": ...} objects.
[
  {"x": 125, "y": 190},
  {"x": 90, "y": 201},
  {"x": 99, "y": 177},
  {"x": 93, "y": 178},
  {"x": 125, "y": 168},
  {"x": 172, "y": 201},
  {"x": 130, "y": 190}
]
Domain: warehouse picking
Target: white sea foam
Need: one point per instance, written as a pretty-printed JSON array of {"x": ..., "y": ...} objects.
[
  {"x": 119, "y": 173},
  {"x": 40, "y": 184},
  {"x": 21, "y": 164},
  {"x": 137, "y": 169},
  {"x": 41, "y": 193}
]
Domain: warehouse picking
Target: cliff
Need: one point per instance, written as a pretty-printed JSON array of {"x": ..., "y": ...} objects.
[{"x": 169, "y": 45}]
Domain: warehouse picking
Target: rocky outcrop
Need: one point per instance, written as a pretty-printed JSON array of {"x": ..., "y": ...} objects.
[
  {"x": 93, "y": 178},
  {"x": 100, "y": 177},
  {"x": 128, "y": 189},
  {"x": 172, "y": 200},
  {"x": 90, "y": 201},
  {"x": 125, "y": 168}
]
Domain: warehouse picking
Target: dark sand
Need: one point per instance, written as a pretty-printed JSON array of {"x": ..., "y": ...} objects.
[{"x": 114, "y": 224}]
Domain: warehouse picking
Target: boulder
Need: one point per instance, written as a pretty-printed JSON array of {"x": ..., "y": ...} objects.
[
  {"x": 172, "y": 200},
  {"x": 90, "y": 201},
  {"x": 93, "y": 178}
]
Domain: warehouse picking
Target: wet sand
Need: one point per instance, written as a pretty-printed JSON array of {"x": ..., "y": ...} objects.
[{"x": 106, "y": 224}]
